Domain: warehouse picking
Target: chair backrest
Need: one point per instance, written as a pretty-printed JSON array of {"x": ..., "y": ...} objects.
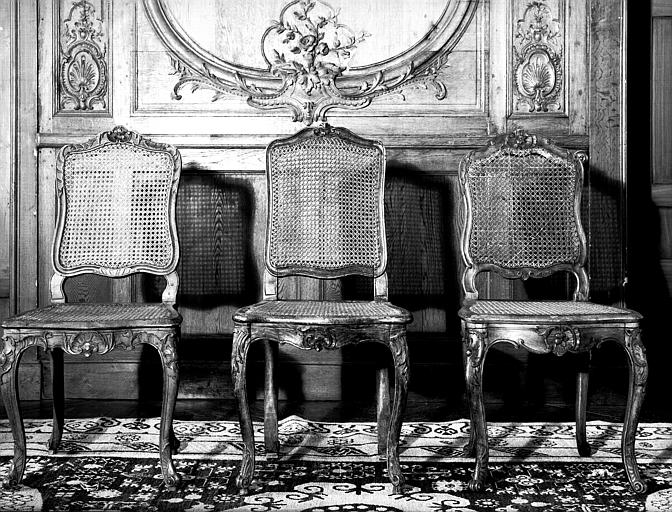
[
  {"x": 522, "y": 198},
  {"x": 116, "y": 209},
  {"x": 325, "y": 205}
]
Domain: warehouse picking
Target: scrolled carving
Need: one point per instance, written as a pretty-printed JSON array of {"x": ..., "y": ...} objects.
[
  {"x": 88, "y": 342},
  {"x": 241, "y": 344},
  {"x": 537, "y": 50},
  {"x": 307, "y": 51},
  {"x": 560, "y": 339},
  {"x": 399, "y": 349},
  {"x": 318, "y": 338},
  {"x": 83, "y": 80},
  {"x": 12, "y": 346},
  {"x": 165, "y": 345},
  {"x": 637, "y": 352},
  {"x": 475, "y": 341}
]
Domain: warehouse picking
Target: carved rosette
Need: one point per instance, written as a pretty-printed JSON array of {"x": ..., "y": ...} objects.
[
  {"x": 89, "y": 342},
  {"x": 537, "y": 60},
  {"x": 560, "y": 339},
  {"x": 82, "y": 80}
]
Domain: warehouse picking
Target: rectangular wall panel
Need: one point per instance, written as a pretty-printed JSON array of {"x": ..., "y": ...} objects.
[{"x": 661, "y": 97}]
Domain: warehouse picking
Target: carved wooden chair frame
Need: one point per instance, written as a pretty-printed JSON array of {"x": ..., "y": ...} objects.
[
  {"x": 87, "y": 336},
  {"x": 323, "y": 335},
  {"x": 541, "y": 333}
]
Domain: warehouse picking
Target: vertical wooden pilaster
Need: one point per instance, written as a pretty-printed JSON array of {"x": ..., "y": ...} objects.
[{"x": 606, "y": 171}]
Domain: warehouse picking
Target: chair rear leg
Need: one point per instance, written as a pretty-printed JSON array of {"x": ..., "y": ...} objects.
[
  {"x": 382, "y": 409},
  {"x": 470, "y": 448},
  {"x": 639, "y": 371},
  {"x": 271, "y": 441},
  {"x": 581, "y": 405},
  {"x": 241, "y": 344},
  {"x": 399, "y": 350},
  {"x": 58, "y": 399}
]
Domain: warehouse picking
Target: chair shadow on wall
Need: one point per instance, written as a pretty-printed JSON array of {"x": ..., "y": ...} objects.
[
  {"x": 422, "y": 266},
  {"x": 217, "y": 270},
  {"x": 646, "y": 292}
]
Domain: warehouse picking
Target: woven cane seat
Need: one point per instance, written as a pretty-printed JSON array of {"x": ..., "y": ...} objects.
[
  {"x": 323, "y": 312},
  {"x": 96, "y": 316},
  {"x": 544, "y": 311}
]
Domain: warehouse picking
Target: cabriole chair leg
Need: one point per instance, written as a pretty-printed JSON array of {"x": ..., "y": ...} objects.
[{"x": 58, "y": 399}]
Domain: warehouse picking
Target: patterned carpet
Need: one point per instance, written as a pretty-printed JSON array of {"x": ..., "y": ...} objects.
[{"x": 111, "y": 464}]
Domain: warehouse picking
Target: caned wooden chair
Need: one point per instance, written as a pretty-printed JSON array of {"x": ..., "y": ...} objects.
[
  {"x": 116, "y": 216},
  {"x": 521, "y": 199},
  {"x": 325, "y": 220}
]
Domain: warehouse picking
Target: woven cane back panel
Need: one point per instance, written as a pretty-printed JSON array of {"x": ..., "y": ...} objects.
[
  {"x": 325, "y": 206},
  {"x": 523, "y": 210},
  {"x": 117, "y": 208}
]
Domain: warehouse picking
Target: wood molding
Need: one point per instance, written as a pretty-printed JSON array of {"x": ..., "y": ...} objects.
[
  {"x": 606, "y": 176},
  {"x": 7, "y": 142},
  {"x": 24, "y": 232},
  {"x": 261, "y": 140},
  {"x": 661, "y": 8}
]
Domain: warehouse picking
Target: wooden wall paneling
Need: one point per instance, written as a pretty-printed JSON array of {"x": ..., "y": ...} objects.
[
  {"x": 606, "y": 176},
  {"x": 7, "y": 149},
  {"x": 221, "y": 219},
  {"x": 661, "y": 114},
  {"x": 23, "y": 286},
  {"x": 576, "y": 49},
  {"x": 661, "y": 8},
  {"x": 17, "y": 137},
  {"x": 46, "y": 201},
  {"x": 223, "y": 148},
  {"x": 497, "y": 48},
  {"x": 147, "y": 70}
]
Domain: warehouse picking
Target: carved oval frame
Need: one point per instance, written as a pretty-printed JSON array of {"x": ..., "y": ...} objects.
[{"x": 345, "y": 88}]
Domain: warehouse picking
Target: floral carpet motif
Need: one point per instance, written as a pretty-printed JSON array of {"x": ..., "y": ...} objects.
[{"x": 112, "y": 464}]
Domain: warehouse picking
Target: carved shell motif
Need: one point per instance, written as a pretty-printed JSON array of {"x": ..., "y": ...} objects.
[
  {"x": 537, "y": 79},
  {"x": 83, "y": 71},
  {"x": 537, "y": 59}
]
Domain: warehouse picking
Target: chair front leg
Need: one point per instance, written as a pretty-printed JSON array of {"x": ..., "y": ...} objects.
[
  {"x": 9, "y": 365},
  {"x": 639, "y": 371},
  {"x": 271, "y": 402},
  {"x": 167, "y": 348},
  {"x": 475, "y": 339},
  {"x": 58, "y": 399},
  {"x": 582, "y": 405},
  {"x": 241, "y": 345},
  {"x": 399, "y": 349}
]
